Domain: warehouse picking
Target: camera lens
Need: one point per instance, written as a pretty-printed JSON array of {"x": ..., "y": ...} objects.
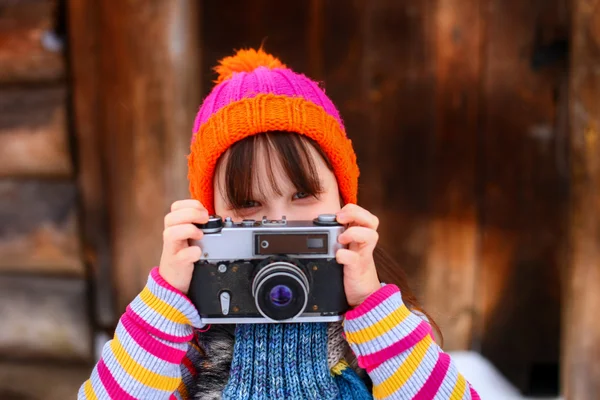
[
  {"x": 281, "y": 295},
  {"x": 280, "y": 290}
]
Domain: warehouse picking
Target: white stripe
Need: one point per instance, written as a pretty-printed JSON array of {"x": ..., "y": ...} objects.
[
  {"x": 128, "y": 383},
  {"x": 176, "y": 300},
  {"x": 447, "y": 386},
  {"x": 99, "y": 388},
  {"x": 387, "y": 339},
  {"x": 144, "y": 358},
  {"x": 158, "y": 321}
]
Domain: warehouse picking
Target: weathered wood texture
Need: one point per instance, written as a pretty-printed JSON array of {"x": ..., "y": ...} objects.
[
  {"x": 396, "y": 97},
  {"x": 44, "y": 318},
  {"x": 452, "y": 255},
  {"x": 523, "y": 189},
  {"x": 33, "y": 133},
  {"x": 281, "y": 26},
  {"x": 141, "y": 103},
  {"x": 84, "y": 42},
  {"x": 454, "y": 130},
  {"x": 30, "y": 51},
  {"x": 25, "y": 381},
  {"x": 454, "y": 109},
  {"x": 581, "y": 327},
  {"x": 38, "y": 228}
]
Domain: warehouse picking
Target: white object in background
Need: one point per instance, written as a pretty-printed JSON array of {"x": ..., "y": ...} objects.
[{"x": 485, "y": 378}]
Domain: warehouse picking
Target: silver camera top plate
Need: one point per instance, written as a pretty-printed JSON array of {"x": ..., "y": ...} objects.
[{"x": 229, "y": 240}]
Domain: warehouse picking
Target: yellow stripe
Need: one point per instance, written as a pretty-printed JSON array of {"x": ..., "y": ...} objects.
[
  {"x": 459, "y": 388},
  {"x": 139, "y": 372},
  {"x": 404, "y": 372},
  {"x": 88, "y": 390},
  {"x": 380, "y": 327},
  {"x": 339, "y": 367},
  {"x": 164, "y": 309},
  {"x": 197, "y": 348},
  {"x": 182, "y": 389}
]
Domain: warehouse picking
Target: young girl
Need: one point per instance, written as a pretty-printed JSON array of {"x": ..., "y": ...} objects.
[{"x": 269, "y": 142}]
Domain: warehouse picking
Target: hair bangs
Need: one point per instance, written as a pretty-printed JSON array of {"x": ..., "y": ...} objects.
[{"x": 287, "y": 151}]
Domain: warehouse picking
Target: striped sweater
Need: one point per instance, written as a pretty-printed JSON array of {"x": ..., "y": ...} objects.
[{"x": 153, "y": 356}]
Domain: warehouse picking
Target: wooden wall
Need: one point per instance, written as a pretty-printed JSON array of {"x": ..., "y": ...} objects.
[
  {"x": 458, "y": 111},
  {"x": 43, "y": 290},
  {"x": 45, "y": 328},
  {"x": 135, "y": 91},
  {"x": 581, "y": 333}
]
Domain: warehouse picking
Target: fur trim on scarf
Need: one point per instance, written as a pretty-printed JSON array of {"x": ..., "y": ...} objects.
[{"x": 218, "y": 343}]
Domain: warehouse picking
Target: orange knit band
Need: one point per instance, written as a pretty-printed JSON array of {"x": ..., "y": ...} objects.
[{"x": 266, "y": 113}]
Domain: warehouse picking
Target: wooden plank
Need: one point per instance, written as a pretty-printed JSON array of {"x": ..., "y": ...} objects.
[
  {"x": 26, "y": 381},
  {"x": 381, "y": 79},
  {"x": 581, "y": 326},
  {"x": 524, "y": 187},
  {"x": 84, "y": 41},
  {"x": 30, "y": 50},
  {"x": 452, "y": 262},
  {"x": 33, "y": 133},
  {"x": 399, "y": 82},
  {"x": 149, "y": 93},
  {"x": 342, "y": 43},
  {"x": 38, "y": 228},
  {"x": 282, "y": 27},
  {"x": 44, "y": 318}
]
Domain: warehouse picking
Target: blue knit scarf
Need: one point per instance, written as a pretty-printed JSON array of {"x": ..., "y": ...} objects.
[{"x": 288, "y": 361}]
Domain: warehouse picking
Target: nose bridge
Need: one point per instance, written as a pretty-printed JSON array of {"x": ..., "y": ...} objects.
[
  {"x": 277, "y": 208},
  {"x": 276, "y": 212}
]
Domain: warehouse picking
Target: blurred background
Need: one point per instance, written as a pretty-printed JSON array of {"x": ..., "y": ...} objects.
[{"x": 476, "y": 125}]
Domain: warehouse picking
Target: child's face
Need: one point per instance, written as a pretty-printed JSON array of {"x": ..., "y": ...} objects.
[{"x": 291, "y": 203}]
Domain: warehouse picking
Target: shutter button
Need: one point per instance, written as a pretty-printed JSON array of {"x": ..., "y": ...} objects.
[{"x": 326, "y": 219}]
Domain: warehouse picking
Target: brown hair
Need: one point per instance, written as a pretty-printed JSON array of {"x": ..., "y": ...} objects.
[{"x": 293, "y": 151}]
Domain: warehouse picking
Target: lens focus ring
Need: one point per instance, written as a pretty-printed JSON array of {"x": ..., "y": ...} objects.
[{"x": 280, "y": 291}]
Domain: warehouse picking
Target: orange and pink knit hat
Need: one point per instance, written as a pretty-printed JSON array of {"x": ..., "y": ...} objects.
[{"x": 256, "y": 93}]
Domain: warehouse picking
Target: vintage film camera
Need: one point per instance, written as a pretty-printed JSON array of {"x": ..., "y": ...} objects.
[{"x": 269, "y": 271}]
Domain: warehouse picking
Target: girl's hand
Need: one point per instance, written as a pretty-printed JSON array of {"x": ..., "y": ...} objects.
[
  {"x": 360, "y": 275},
  {"x": 178, "y": 257}
]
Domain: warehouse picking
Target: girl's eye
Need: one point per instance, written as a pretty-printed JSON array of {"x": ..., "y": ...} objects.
[
  {"x": 250, "y": 204},
  {"x": 300, "y": 195}
]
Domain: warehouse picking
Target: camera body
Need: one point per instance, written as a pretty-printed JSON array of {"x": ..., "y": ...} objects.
[{"x": 269, "y": 271}]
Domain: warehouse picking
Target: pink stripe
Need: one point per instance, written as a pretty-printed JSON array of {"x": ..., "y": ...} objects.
[
  {"x": 474, "y": 394},
  {"x": 430, "y": 388},
  {"x": 115, "y": 391},
  {"x": 173, "y": 397},
  {"x": 160, "y": 281},
  {"x": 372, "y": 361},
  {"x": 283, "y": 82},
  {"x": 151, "y": 345},
  {"x": 156, "y": 332},
  {"x": 372, "y": 301}
]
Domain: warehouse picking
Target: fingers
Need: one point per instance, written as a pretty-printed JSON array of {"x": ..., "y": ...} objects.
[
  {"x": 347, "y": 257},
  {"x": 188, "y": 203},
  {"x": 352, "y": 214},
  {"x": 186, "y": 215},
  {"x": 359, "y": 235},
  {"x": 175, "y": 236},
  {"x": 189, "y": 255}
]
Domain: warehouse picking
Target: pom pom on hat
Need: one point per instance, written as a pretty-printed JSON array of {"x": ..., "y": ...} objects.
[{"x": 246, "y": 61}]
